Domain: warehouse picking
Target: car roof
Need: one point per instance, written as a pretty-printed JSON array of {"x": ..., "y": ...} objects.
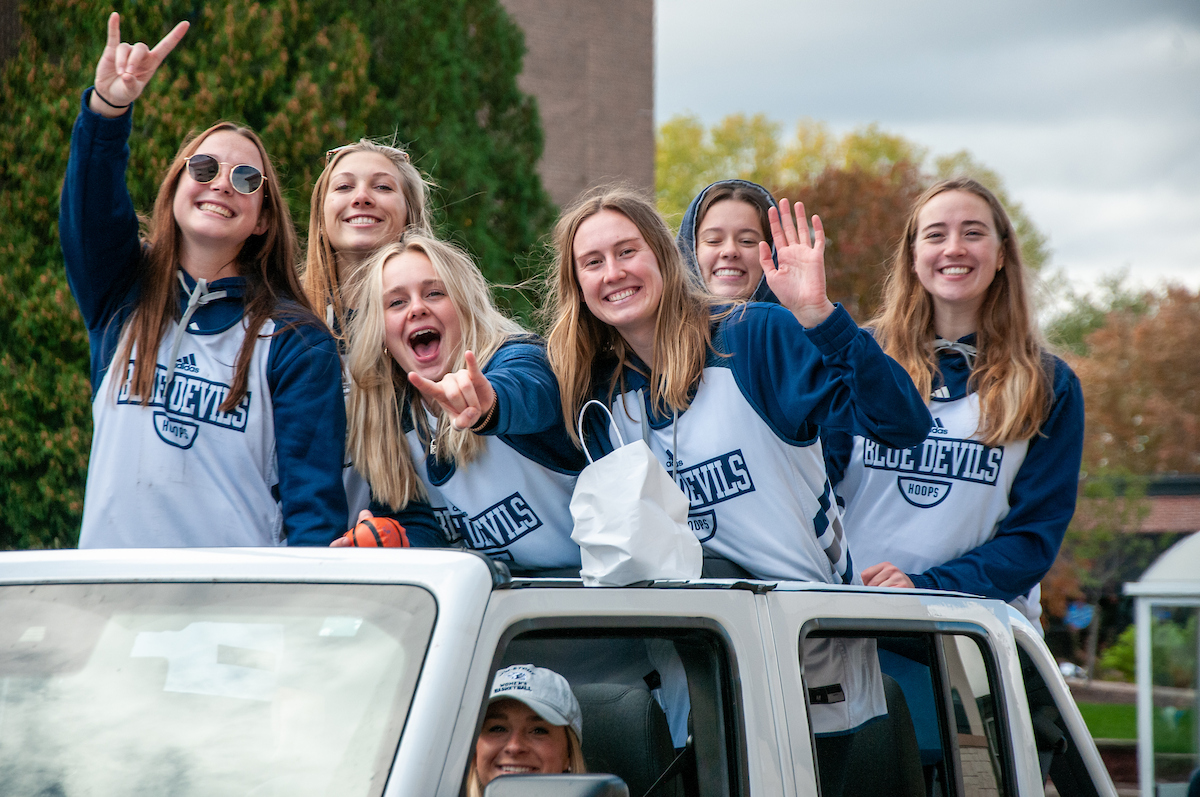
[{"x": 424, "y": 567}]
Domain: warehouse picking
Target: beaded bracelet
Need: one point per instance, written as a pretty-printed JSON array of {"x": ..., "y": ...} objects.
[{"x": 479, "y": 427}]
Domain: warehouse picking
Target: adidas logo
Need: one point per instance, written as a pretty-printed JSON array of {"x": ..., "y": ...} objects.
[
  {"x": 942, "y": 392},
  {"x": 187, "y": 363},
  {"x": 938, "y": 428}
]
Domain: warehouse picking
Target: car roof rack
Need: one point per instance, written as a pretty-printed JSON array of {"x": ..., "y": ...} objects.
[{"x": 529, "y": 582}]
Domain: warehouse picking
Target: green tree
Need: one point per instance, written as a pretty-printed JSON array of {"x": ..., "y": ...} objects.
[
  {"x": 688, "y": 156},
  {"x": 812, "y": 149},
  {"x": 871, "y": 149},
  {"x": 1173, "y": 653},
  {"x": 682, "y": 161},
  {"x": 1084, "y": 313},
  {"x": 441, "y": 76}
]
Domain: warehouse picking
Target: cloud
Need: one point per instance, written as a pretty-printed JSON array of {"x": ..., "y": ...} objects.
[
  {"x": 844, "y": 65},
  {"x": 1089, "y": 110}
]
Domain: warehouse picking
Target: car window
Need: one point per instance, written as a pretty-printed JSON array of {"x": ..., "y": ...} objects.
[
  {"x": 1059, "y": 756},
  {"x": 975, "y": 717},
  {"x": 657, "y": 704},
  {"x": 201, "y": 689},
  {"x": 913, "y": 714}
]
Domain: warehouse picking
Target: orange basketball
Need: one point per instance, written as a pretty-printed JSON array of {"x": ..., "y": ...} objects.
[{"x": 378, "y": 532}]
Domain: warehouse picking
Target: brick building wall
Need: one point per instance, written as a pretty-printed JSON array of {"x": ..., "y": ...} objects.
[
  {"x": 10, "y": 28},
  {"x": 590, "y": 64}
]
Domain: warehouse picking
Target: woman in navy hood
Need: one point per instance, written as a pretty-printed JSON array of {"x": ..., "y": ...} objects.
[{"x": 719, "y": 239}]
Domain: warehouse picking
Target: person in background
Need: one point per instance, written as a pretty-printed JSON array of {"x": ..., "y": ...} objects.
[
  {"x": 981, "y": 505},
  {"x": 719, "y": 239},
  {"x": 217, "y": 403},
  {"x": 367, "y": 196}
]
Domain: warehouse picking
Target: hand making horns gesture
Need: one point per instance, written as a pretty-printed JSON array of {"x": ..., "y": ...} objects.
[
  {"x": 799, "y": 282},
  {"x": 465, "y": 395},
  {"x": 125, "y": 69}
]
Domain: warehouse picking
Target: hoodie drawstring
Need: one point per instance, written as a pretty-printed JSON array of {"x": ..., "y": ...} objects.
[
  {"x": 967, "y": 351},
  {"x": 200, "y": 296}
]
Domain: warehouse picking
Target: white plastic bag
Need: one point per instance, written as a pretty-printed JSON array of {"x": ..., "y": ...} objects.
[{"x": 631, "y": 518}]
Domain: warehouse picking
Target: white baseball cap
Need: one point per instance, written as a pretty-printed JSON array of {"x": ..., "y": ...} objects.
[{"x": 544, "y": 691}]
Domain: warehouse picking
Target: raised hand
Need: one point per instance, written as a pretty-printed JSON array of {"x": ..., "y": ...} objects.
[
  {"x": 125, "y": 69},
  {"x": 465, "y": 395},
  {"x": 799, "y": 282}
]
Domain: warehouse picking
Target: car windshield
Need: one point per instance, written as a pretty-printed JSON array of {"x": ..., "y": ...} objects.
[{"x": 206, "y": 688}]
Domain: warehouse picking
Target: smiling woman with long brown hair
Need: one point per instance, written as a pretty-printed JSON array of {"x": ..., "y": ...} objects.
[
  {"x": 982, "y": 504},
  {"x": 208, "y": 366},
  {"x": 731, "y": 399}
]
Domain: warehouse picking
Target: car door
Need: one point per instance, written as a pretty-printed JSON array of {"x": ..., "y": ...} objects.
[
  {"x": 596, "y": 638},
  {"x": 921, "y": 699}
]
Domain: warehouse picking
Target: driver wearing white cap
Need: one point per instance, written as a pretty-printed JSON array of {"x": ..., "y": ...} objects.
[{"x": 533, "y": 726}]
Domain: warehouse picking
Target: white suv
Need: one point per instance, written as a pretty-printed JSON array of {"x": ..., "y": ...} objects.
[{"x": 365, "y": 672}]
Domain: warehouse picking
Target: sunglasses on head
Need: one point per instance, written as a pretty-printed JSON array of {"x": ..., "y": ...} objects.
[
  {"x": 330, "y": 153},
  {"x": 244, "y": 178}
]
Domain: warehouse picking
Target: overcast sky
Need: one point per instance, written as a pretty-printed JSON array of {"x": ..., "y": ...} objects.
[{"x": 1089, "y": 109}]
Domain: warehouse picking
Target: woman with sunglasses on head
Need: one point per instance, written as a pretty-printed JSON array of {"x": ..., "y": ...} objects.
[
  {"x": 453, "y": 402},
  {"x": 982, "y": 504},
  {"x": 367, "y": 196},
  {"x": 218, "y": 409}
]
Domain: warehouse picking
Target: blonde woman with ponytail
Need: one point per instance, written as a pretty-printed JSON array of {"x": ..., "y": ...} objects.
[
  {"x": 453, "y": 404},
  {"x": 982, "y": 504}
]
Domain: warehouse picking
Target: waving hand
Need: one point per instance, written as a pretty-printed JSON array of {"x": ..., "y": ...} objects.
[
  {"x": 125, "y": 69},
  {"x": 465, "y": 395},
  {"x": 799, "y": 282}
]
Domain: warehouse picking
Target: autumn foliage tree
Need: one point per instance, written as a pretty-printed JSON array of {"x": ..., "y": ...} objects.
[
  {"x": 1141, "y": 379},
  {"x": 863, "y": 210},
  {"x": 1135, "y": 355},
  {"x": 440, "y": 76}
]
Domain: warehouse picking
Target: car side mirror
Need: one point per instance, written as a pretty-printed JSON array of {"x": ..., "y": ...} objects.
[{"x": 556, "y": 786}]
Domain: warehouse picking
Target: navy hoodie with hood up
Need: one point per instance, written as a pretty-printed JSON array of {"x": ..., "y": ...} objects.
[{"x": 686, "y": 240}]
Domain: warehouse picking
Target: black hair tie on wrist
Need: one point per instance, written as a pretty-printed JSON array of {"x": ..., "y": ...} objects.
[{"x": 96, "y": 91}]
